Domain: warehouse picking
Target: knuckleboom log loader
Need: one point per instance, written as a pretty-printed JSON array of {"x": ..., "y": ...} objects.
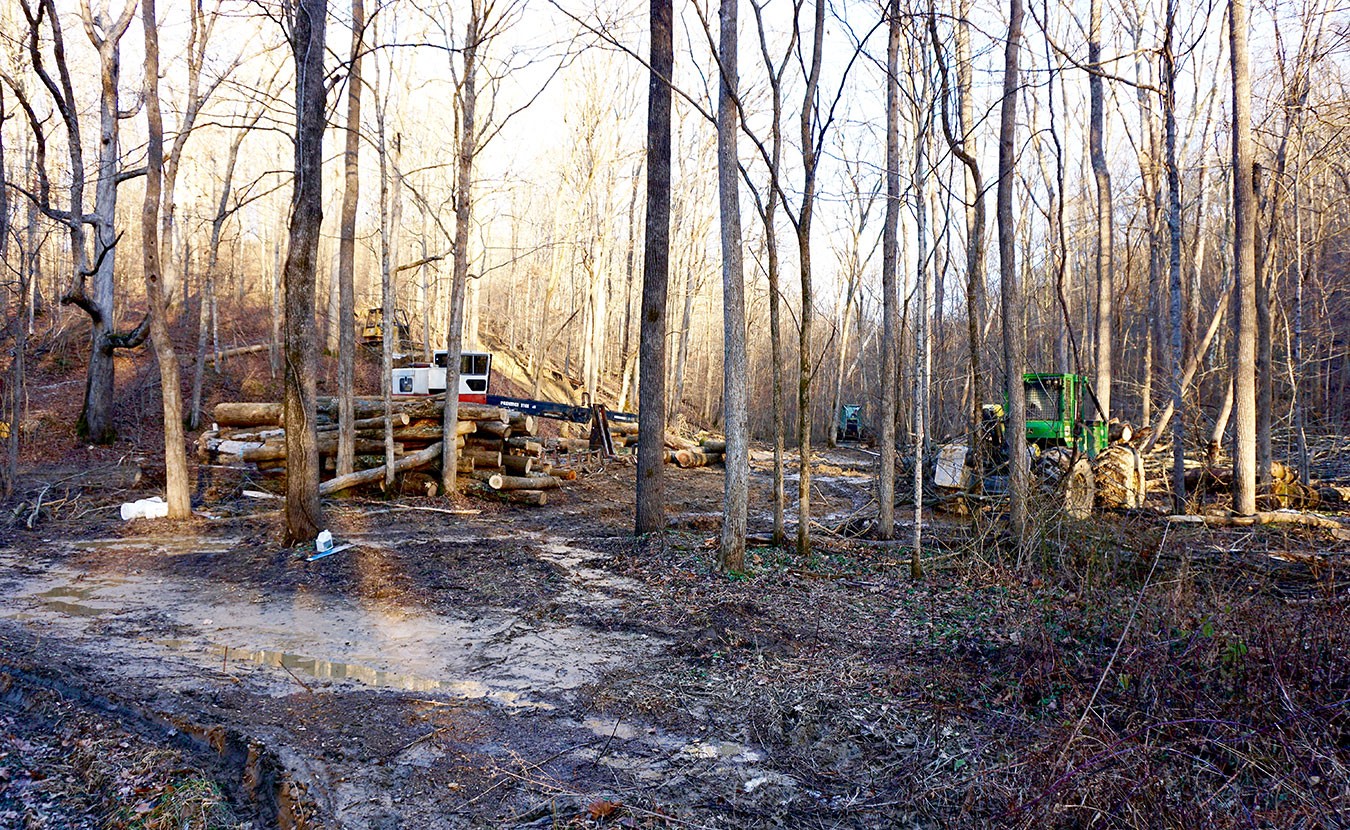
[
  {"x": 475, "y": 376},
  {"x": 1072, "y": 459}
]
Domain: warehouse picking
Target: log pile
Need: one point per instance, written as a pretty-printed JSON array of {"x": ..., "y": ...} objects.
[
  {"x": 499, "y": 452},
  {"x": 687, "y": 453}
]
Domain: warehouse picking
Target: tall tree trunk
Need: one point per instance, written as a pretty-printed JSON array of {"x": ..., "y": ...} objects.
[
  {"x": 650, "y": 512},
  {"x": 805, "y": 356},
  {"x": 890, "y": 247},
  {"x": 1244, "y": 264},
  {"x": 1104, "y": 262},
  {"x": 735, "y": 395},
  {"x": 391, "y": 220},
  {"x": 1174, "y": 264},
  {"x": 175, "y": 455},
  {"x": 96, "y": 418},
  {"x": 351, "y": 193},
  {"x": 1014, "y": 337},
  {"x": 963, "y": 148},
  {"x": 468, "y": 148},
  {"x": 923, "y": 278},
  {"x": 304, "y": 514}
]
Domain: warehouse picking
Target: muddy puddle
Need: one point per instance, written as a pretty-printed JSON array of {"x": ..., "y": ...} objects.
[{"x": 493, "y": 653}]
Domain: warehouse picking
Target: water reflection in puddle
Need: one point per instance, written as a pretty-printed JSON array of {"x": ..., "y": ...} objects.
[{"x": 367, "y": 675}]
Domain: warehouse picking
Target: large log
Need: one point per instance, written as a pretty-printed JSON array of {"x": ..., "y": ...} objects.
[
  {"x": 494, "y": 428},
  {"x": 517, "y": 465},
  {"x": 623, "y": 428},
  {"x": 416, "y": 408},
  {"x": 714, "y": 445},
  {"x": 675, "y": 442},
  {"x": 694, "y": 458},
  {"x": 525, "y": 444},
  {"x": 1338, "y": 530},
  {"x": 424, "y": 431},
  {"x": 483, "y": 458},
  {"x": 399, "y": 419},
  {"x": 485, "y": 442},
  {"x": 573, "y": 444},
  {"x": 536, "y": 498},
  {"x": 408, "y": 462},
  {"x": 276, "y": 450},
  {"x": 237, "y": 414},
  {"x": 522, "y": 423},
  {"x": 505, "y": 482}
]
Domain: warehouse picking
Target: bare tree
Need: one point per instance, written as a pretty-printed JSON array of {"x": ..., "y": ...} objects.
[
  {"x": 1014, "y": 342},
  {"x": 1104, "y": 262},
  {"x": 1174, "y": 263},
  {"x": 1244, "y": 266},
  {"x": 351, "y": 194},
  {"x": 805, "y": 358},
  {"x": 467, "y": 104},
  {"x": 650, "y": 513},
  {"x": 304, "y": 514},
  {"x": 735, "y": 400},
  {"x": 890, "y": 247},
  {"x": 175, "y": 456}
]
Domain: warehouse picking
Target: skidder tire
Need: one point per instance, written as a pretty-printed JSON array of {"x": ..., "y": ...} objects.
[{"x": 1079, "y": 489}]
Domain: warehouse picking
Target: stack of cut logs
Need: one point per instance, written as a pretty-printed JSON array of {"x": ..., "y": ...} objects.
[
  {"x": 690, "y": 453},
  {"x": 499, "y": 450}
]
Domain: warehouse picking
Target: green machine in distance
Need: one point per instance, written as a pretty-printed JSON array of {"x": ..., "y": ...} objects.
[
  {"x": 848, "y": 426},
  {"x": 1069, "y": 455}
]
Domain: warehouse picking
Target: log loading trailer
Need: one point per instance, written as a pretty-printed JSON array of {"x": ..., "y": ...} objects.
[{"x": 475, "y": 380}]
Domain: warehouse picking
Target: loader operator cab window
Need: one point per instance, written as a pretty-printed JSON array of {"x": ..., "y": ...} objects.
[
  {"x": 473, "y": 369},
  {"x": 1043, "y": 397}
]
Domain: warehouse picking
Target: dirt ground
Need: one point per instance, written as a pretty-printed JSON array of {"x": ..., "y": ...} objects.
[{"x": 537, "y": 667}]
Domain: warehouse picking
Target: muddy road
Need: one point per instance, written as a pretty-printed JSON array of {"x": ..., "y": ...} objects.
[
  {"x": 444, "y": 671},
  {"x": 537, "y": 668}
]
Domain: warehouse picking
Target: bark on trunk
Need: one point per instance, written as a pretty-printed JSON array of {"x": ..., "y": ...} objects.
[
  {"x": 468, "y": 148},
  {"x": 1014, "y": 345},
  {"x": 735, "y": 397},
  {"x": 351, "y": 193},
  {"x": 304, "y": 516},
  {"x": 1244, "y": 266},
  {"x": 889, "y": 254},
  {"x": 1104, "y": 263},
  {"x": 650, "y": 510}
]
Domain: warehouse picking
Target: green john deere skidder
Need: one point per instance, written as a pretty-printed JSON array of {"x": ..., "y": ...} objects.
[{"x": 1071, "y": 457}]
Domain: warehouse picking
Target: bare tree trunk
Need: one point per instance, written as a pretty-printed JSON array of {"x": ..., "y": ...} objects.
[
  {"x": 96, "y": 418},
  {"x": 468, "y": 148},
  {"x": 889, "y": 254},
  {"x": 735, "y": 395},
  {"x": 1014, "y": 345},
  {"x": 1300, "y": 414},
  {"x": 1244, "y": 265},
  {"x": 1174, "y": 265},
  {"x": 922, "y": 353},
  {"x": 650, "y": 512},
  {"x": 175, "y": 455},
  {"x": 1104, "y": 265},
  {"x": 391, "y": 217},
  {"x": 805, "y": 357},
  {"x": 351, "y": 192},
  {"x": 304, "y": 513},
  {"x": 962, "y": 147}
]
